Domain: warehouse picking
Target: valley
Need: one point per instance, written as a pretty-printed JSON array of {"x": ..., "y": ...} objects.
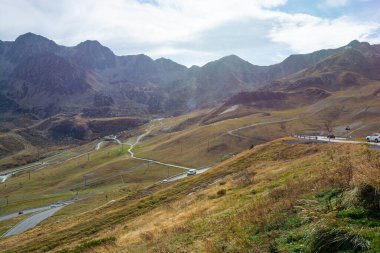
[
  {"x": 135, "y": 163},
  {"x": 104, "y": 163}
]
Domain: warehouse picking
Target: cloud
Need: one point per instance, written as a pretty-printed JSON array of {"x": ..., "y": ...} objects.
[
  {"x": 314, "y": 33},
  {"x": 335, "y": 3},
  {"x": 157, "y": 21},
  {"x": 189, "y": 31}
]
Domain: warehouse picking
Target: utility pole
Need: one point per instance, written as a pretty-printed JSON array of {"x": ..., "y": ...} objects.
[{"x": 122, "y": 179}]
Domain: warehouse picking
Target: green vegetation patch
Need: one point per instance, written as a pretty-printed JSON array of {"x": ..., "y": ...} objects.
[
  {"x": 330, "y": 240},
  {"x": 89, "y": 245}
]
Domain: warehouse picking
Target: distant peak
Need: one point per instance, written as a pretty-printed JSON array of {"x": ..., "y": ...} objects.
[
  {"x": 142, "y": 56},
  {"x": 90, "y": 43},
  {"x": 166, "y": 60},
  {"x": 94, "y": 46},
  {"x": 28, "y": 35},
  {"x": 354, "y": 43},
  {"x": 162, "y": 59},
  {"x": 195, "y": 67},
  {"x": 231, "y": 57},
  {"x": 31, "y": 37}
]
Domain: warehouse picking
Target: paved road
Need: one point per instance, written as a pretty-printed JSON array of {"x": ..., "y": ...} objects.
[
  {"x": 43, "y": 213},
  {"x": 131, "y": 146},
  {"x": 32, "y": 221},
  {"x": 28, "y": 211},
  {"x": 46, "y": 162},
  {"x": 184, "y": 175},
  {"x": 31, "y": 166},
  {"x": 3, "y": 178},
  {"x": 53, "y": 159},
  {"x": 37, "y": 218},
  {"x": 99, "y": 145},
  {"x": 336, "y": 140}
]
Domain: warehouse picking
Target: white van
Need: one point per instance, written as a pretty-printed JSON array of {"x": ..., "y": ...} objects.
[{"x": 191, "y": 172}]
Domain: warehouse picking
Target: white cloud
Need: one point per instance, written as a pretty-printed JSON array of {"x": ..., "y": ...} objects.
[
  {"x": 163, "y": 21},
  {"x": 314, "y": 33},
  {"x": 335, "y": 3},
  {"x": 168, "y": 27}
]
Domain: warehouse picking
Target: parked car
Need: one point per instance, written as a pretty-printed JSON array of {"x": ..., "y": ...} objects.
[
  {"x": 373, "y": 137},
  {"x": 21, "y": 212},
  {"x": 331, "y": 136},
  {"x": 191, "y": 172}
]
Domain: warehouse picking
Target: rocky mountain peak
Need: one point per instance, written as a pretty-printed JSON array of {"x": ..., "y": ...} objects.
[
  {"x": 30, "y": 44},
  {"x": 167, "y": 65},
  {"x": 354, "y": 43},
  {"x": 32, "y": 38},
  {"x": 93, "y": 45},
  {"x": 92, "y": 54}
]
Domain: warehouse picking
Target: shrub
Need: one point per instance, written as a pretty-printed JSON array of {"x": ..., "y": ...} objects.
[
  {"x": 369, "y": 197},
  {"x": 221, "y": 192},
  {"x": 330, "y": 240},
  {"x": 329, "y": 195},
  {"x": 353, "y": 213}
]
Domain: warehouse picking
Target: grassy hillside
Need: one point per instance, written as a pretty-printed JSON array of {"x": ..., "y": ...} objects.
[
  {"x": 283, "y": 196},
  {"x": 42, "y": 138}
]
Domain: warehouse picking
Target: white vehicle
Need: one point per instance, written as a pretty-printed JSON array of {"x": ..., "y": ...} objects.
[
  {"x": 192, "y": 172},
  {"x": 373, "y": 137}
]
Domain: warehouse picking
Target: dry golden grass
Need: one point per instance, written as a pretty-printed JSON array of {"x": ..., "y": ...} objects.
[
  {"x": 191, "y": 216},
  {"x": 151, "y": 219}
]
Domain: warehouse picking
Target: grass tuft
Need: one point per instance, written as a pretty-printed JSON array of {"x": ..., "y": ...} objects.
[
  {"x": 89, "y": 245},
  {"x": 329, "y": 240}
]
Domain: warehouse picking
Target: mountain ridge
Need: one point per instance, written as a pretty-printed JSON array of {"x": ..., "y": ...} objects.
[{"x": 137, "y": 84}]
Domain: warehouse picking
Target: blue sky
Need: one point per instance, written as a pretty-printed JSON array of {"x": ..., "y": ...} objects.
[{"x": 197, "y": 31}]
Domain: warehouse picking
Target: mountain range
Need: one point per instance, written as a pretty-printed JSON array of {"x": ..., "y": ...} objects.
[{"x": 39, "y": 78}]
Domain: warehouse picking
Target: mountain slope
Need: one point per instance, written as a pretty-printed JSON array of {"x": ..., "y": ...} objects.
[
  {"x": 265, "y": 199},
  {"x": 355, "y": 65},
  {"x": 136, "y": 84}
]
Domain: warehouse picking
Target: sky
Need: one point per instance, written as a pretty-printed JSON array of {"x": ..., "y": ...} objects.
[{"x": 194, "y": 32}]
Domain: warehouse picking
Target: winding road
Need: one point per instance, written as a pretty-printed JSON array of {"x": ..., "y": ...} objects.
[
  {"x": 139, "y": 138},
  {"x": 40, "y": 215},
  {"x": 45, "y": 212},
  {"x": 28, "y": 211}
]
